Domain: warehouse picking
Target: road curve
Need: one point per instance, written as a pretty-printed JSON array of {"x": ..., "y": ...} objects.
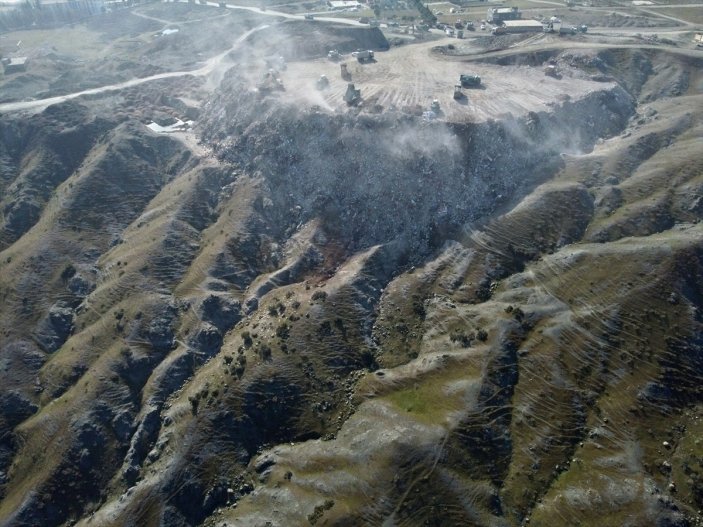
[
  {"x": 207, "y": 68},
  {"x": 213, "y": 62},
  {"x": 40, "y": 104}
]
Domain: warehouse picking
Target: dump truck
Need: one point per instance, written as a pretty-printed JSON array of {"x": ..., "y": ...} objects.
[
  {"x": 468, "y": 80},
  {"x": 363, "y": 55},
  {"x": 352, "y": 96}
]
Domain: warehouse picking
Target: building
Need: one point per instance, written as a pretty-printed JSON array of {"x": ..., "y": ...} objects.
[
  {"x": 14, "y": 64},
  {"x": 523, "y": 26},
  {"x": 344, "y": 4},
  {"x": 496, "y": 15}
]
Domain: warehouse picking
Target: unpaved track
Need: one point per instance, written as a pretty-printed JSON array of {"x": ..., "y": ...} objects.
[
  {"x": 270, "y": 12},
  {"x": 403, "y": 77},
  {"x": 560, "y": 45},
  {"x": 211, "y": 65}
]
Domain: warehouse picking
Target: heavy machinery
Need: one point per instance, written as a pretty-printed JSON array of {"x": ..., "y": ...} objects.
[
  {"x": 309, "y": 17},
  {"x": 458, "y": 94},
  {"x": 345, "y": 72},
  {"x": 322, "y": 83},
  {"x": 334, "y": 55},
  {"x": 270, "y": 82},
  {"x": 459, "y": 33},
  {"x": 352, "y": 96},
  {"x": 363, "y": 55},
  {"x": 469, "y": 80},
  {"x": 551, "y": 70},
  {"x": 434, "y": 107}
]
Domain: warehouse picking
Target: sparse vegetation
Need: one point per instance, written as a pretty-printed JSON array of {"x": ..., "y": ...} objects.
[{"x": 369, "y": 314}]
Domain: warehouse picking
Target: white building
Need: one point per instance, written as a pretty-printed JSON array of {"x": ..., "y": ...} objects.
[{"x": 344, "y": 4}]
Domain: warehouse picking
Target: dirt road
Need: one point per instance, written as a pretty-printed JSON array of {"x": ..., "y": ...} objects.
[
  {"x": 404, "y": 77},
  {"x": 210, "y": 66}
]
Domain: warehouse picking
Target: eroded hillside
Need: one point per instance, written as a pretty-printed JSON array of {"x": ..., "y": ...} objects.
[{"x": 299, "y": 315}]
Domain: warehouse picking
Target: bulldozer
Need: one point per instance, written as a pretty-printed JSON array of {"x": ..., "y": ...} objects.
[
  {"x": 551, "y": 70},
  {"x": 352, "y": 96},
  {"x": 270, "y": 82},
  {"x": 469, "y": 80}
]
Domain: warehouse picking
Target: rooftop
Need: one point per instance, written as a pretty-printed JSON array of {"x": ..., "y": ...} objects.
[
  {"x": 522, "y": 23},
  {"x": 339, "y": 4}
]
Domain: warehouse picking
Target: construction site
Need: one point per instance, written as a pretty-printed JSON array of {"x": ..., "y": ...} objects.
[{"x": 281, "y": 264}]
